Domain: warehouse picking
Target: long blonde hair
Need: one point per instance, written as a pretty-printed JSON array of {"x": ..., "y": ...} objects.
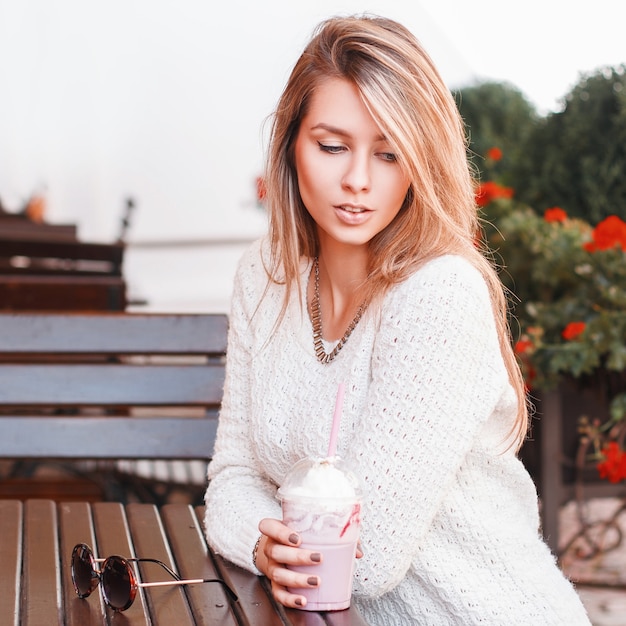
[{"x": 406, "y": 96}]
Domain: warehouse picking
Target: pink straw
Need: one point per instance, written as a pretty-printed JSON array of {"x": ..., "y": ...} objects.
[{"x": 334, "y": 432}]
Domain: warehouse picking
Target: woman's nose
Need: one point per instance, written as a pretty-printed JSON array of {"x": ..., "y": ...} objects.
[{"x": 357, "y": 176}]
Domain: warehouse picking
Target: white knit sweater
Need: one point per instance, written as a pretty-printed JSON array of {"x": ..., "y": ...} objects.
[{"x": 450, "y": 521}]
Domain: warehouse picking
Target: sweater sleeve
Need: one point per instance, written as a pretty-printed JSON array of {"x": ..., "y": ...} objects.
[
  {"x": 437, "y": 376},
  {"x": 239, "y": 495}
]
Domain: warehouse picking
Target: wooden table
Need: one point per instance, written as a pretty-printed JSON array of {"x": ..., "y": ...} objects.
[{"x": 36, "y": 541}]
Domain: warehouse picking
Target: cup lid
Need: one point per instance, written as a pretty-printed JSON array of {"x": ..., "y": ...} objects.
[{"x": 320, "y": 478}]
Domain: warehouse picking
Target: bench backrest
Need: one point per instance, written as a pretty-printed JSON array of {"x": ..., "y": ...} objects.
[
  {"x": 110, "y": 385},
  {"x": 61, "y": 275},
  {"x": 61, "y": 258}
]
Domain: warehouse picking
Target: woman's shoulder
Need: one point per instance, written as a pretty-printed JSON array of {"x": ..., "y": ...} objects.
[
  {"x": 442, "y": 282},
  {"x": 258, "y": 264},
  {"x": 256, "y": 280},
  {"x": 448, "y": 271},
  {"x": 251, "y": 277},
  {"x": 254, "y": 256},
  {"x": 253, "y": 264}
]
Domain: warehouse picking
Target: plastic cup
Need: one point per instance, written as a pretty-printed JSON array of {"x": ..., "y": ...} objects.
[{"x": 321, "y": 501}]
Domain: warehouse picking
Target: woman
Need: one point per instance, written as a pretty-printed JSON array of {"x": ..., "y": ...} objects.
[{"x": 371, "y": 274}]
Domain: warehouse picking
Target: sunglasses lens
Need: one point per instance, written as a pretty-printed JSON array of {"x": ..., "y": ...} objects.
[
  {"x": 84, "y": 577},
  {"x": 118, "y": 584}
]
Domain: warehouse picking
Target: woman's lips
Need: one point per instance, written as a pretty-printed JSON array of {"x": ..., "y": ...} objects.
[{"x": 352, "y": 214}]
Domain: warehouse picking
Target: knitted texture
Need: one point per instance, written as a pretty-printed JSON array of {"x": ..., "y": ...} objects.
[{"x": 450, "y": 521}]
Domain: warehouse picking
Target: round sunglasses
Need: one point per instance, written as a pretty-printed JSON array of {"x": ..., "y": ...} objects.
[{"x": 118, "y": 581}]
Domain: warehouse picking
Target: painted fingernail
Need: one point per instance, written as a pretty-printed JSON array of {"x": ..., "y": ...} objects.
[
  {"x": 312, "y": 581},
  {"x": 293, "y": 538},
  {"x": 298, "y": 602},
  {"x": 316, "y": 557}
]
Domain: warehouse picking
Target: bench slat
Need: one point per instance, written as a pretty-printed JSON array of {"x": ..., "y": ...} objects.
[
  {"x": 63, "y": 249},
  {"x": 106, "y": 438},
  {"x": 110, "y": 385},
  {"x": 62, "y": 293},
  {"x": 113, "y": 333},
  {"x": 19, "y": 227}
]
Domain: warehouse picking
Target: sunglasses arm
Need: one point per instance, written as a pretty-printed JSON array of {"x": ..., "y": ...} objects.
[
  {"x": 171, "y": 572},
  {"x": 167, "y": 583}
]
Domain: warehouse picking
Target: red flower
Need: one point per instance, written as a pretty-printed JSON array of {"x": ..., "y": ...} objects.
[
  {"x": 522, "y": 349},
  {"x": 523, "y": 346},
  {"x": 614, "y": 465},
  {"x": 261, "y": 189},
  {"x": 495, "y": 154},
  {"x": 573, "y": 330},
  {"x": 555, "y": 214},
  {"x": 489, "y": 191},
  {"x": 609, "y": 233}
]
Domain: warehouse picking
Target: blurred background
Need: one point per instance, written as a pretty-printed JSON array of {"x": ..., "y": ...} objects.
[{"x": 165, "y": 103}]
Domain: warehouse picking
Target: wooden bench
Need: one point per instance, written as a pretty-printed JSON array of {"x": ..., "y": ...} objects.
[
  {"x": 60, "y": 275},
  {"x": 20, "y": 226},
  {"x": 123, "y": 388},
  {"x": 107, "y": 387}
]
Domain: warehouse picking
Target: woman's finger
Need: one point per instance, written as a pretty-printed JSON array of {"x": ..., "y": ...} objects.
[
  {"x": 280, "y": 533},
  {"x": 284, "y": 597},
  {"x": 295, "y": 580},
  {"x": 291, "y": 556}
]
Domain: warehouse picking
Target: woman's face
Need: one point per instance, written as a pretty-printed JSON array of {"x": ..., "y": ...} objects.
[{"x": 348, "y": 176}]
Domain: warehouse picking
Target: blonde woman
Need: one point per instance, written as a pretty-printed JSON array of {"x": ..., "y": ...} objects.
[{"x": 370, "y": 274}]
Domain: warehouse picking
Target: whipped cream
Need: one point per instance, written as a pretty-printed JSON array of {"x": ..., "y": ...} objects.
[{"x": 321, "y": 480}]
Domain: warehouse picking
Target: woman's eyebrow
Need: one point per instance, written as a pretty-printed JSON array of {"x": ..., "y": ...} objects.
[{"x": 335, "y": 130}]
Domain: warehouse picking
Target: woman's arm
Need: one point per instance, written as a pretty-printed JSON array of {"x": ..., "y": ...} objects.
[
  {"x": 437, "y": 377},
  {"x": 239, "y": 495}
]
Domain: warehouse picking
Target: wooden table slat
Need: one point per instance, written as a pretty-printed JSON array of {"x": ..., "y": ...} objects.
[
  {"x": 168, "y": 605},
  {"x": 306, "y": 618},
  {"x": 113, "y": 538},
  {"x": 11, "y": 520},
  {"x": 209, "y": 601},
  {"x": 343, "y": 618},
  {"x": 76, "y": 526},
  {"x": 41, "y": 566},
  {"x": 257, "y": 606}
]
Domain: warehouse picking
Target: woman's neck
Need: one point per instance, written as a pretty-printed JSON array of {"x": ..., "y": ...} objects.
[{"x": 340, "y": 283}]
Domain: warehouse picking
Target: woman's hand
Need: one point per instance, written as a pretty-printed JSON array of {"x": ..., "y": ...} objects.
[{"x": 277, "y": 549}]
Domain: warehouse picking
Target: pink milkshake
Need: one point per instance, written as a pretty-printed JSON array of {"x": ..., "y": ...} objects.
[{"x": 321, "y": 502}]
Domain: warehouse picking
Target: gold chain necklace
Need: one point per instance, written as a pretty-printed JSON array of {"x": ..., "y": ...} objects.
[{"x": 316, "y": 318}]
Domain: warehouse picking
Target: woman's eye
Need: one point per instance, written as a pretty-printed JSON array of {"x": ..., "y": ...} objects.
[
  {"x": 388, "y": 156},
  {"x": 330, "y": 148}
]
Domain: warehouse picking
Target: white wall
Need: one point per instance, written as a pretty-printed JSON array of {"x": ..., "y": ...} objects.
[{"x": 164, "y": 101}]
